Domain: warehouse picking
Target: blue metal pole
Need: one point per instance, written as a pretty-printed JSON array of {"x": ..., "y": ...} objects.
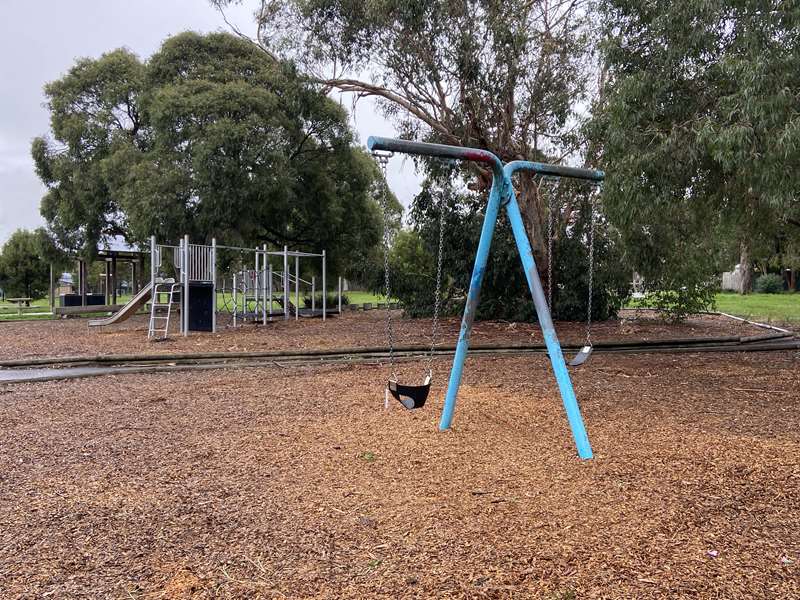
[
  {"x": 545, "y": 321},
  {"x": 502, "y": 189},
  {"x": 496, "y": 194},
  {"x": 481, "y": 256}
]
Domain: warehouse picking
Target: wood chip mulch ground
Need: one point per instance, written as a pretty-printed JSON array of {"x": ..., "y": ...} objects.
[
  {"x": 279, "y": 483},
  {"x": 73, "y": 337}
]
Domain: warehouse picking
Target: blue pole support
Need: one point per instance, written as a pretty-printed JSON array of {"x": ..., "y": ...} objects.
[
  {"x": 502, "y": 191},
  {"x": 479, "y": 268},
  {"x": 545, "y": 321}
]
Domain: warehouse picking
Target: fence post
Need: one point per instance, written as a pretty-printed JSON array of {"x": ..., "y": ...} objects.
[
  {"x": 285, "y": 283},
  {"x": 296, "y": 287},
  {"x": 213, "y": 285},
  {"x": 263, "y": 275},
  {"x": 185, "y": 295}
]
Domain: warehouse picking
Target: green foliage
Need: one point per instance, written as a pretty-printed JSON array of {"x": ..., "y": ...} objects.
[
  {"x": 700, "y": 135},
  {"x": 413, "y": 273},
  {"x": 505, "y": 293},
  {"x": 24, "y": 264},
  {"x": 611, "y": 275},
  {"x": 331, "y": 301},
  {"x": 210, "y": 137},
  {"x": 511, "y": 77},
  {"x": 678, "y": 304},
  {"x": 769, "y": 283}
]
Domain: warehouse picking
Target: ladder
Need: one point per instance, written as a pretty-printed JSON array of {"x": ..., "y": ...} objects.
[{"x": 160, "y": 312}]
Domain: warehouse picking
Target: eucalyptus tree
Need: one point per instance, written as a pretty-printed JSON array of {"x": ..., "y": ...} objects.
[
  {"x": 700, "y": 130},
  {"x": 25, "y": 260},
  {"x": 511, "y": 77}
]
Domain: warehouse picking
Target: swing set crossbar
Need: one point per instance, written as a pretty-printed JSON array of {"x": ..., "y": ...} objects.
[{"x": 502, "y": 194}]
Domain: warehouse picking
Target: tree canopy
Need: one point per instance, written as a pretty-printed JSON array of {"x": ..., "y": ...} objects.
[
  {"x": 25, "y": 263},
  {"x": 699, "y": 131},
  {"x": 209, "y": 137},
  {"x": 506, "y": 76},
  {"x": 514, "y": 78}
]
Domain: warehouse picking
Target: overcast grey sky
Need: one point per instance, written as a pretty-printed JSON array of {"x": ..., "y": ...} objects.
[{"x": 39, "y": 42}]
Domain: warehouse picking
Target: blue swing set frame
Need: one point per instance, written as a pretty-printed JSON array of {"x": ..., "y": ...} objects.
[{"x": 502, "y": 194}]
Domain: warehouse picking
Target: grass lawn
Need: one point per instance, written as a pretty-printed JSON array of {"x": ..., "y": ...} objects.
[
  {"x": 768, "y": 307},
  {"x": 10, "y": 310},
  {"x": 357, "y": 297}
]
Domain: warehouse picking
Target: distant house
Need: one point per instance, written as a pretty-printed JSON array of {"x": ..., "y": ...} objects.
[
  {"x": 66, "y": 284},
  {"x": 732, "y": 280}
]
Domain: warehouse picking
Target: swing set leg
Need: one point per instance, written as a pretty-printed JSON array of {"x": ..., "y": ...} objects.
[
  {"x": 482, "y": 255},
  {"x": 549, "y": 332},
  {"x": 540, "y": 302}
]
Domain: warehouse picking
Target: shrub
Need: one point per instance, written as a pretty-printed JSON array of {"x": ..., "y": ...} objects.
[
  {"x": 676, "y": 305},
  {"x": 769, "y": 283},
  {"x": 331, "y": 300}
]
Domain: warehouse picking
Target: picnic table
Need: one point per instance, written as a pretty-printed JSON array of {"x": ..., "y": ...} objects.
[{"x": 19, "y": 302}]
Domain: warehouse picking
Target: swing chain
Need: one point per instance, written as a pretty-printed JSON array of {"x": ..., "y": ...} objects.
[
  {"x": 551, "y": 209},
  {"x": 438, "y": 294},
  {"x": 591, "y": 268},
  {"x": 550, "y": 218},
  {"x": 383, "y": 160}
]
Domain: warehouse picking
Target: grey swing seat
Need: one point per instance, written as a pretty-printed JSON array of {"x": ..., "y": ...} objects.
[
  {"x": 586, "y": 350},
  {"x": 581, "y": 357}
]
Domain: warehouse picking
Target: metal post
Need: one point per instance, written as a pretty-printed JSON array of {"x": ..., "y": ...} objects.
[
  {"x": 546, "y": 323},
  {"x": 180, "y": 280},
  {"x": 340, "y": 295},
  {"x": 285, "y": 283},
  {"x": 296, "y": 287},
  {"x": 185, "y": 267},
  {"x": 52, "y": 296},
  {"x": 269, "y": 284},
  {"x": 313, "y": 294},
  {"x": 481, "y": 256},
  {"x": 324, "y": 289},
  {"x": 263, "y": 275},
  {"x": 153, "y": 269},
  {"x": 255, "y": 280},
  {"x": 82, "y": 281},
  {"x": 106, "y": 278},
  {"x": 113, "y": 279},
  {"x": 213, "y": 285},
  {"x": 235, "y": 301}
]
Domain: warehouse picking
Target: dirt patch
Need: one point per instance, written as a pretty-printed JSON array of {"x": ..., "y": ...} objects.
[
  {"x": 73, "y": 337},
  {"x": 280, "y": 483}
]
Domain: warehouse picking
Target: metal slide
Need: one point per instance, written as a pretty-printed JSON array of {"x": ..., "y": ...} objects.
[{"x": 133, "y": 305}]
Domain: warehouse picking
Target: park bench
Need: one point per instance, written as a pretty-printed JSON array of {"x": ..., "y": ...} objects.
[{"x": 19, "y": 302}]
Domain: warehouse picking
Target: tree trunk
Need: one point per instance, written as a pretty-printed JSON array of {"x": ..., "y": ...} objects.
[
  {"x": 746, "y": 267},
  {"x": 534, "y": 215}
]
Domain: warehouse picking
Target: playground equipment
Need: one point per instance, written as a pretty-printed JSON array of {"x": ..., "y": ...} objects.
[
  {"x": 410, "y": 396},
  {"x": 253, "y": 293},
  {"x": 502, "y": 194},
  {"x": 131, "y": 308},
  {"x": 185, "y": 280},
  {"x": 586, "y": 351}
]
